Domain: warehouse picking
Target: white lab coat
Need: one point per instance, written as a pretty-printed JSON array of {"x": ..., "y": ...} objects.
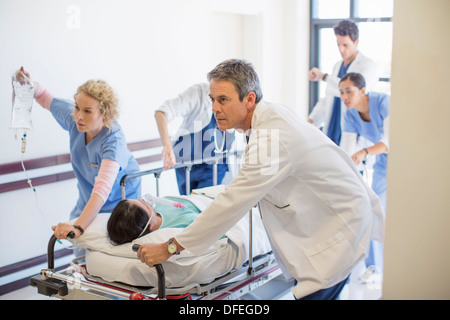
[
  {"x": 193, "y": 105},
  {"x": 318, "y": 212},
  {"x": 321, "y": 113}
]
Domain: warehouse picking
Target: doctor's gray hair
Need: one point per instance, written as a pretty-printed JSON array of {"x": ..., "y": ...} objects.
[{"x": 241, "y": 74}]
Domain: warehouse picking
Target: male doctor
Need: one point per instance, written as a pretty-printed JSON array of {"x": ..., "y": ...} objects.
[
  {"x": 328, "y": 111},
  {"x": 318, "y": 212}
]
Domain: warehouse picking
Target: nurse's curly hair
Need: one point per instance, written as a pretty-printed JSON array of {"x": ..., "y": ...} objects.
[{"x": 105, "y": 94}]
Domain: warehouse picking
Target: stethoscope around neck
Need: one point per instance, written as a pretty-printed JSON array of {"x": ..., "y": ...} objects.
[{"x": 216, "y": 146}]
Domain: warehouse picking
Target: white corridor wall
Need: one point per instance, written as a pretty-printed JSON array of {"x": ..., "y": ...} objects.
[{"x": 148, "y": 51}]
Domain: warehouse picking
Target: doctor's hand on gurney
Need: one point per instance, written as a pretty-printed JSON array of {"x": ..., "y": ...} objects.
[{"x": 152, "y": 254}]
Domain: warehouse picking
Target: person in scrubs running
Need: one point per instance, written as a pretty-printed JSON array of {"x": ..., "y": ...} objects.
[
  {"x": 367, "y": 116},
  {"x": 328, "y": 111},
  {"x": 98, "y": 150}
]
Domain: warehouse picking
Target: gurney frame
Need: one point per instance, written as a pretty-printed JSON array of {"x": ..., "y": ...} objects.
[{"x": 75, "y": 283}]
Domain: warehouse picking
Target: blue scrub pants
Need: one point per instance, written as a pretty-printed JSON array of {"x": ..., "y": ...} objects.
[
  {"x": 376, "y": 252},
  {"x": 326, "y": 294},
  {"x": 201, "y": 175}
]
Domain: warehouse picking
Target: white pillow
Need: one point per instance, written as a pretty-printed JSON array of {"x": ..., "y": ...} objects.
[{"x": 96, "y": 238}]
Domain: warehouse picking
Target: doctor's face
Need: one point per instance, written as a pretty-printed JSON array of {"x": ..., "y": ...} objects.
[
  {"x": 347, "y": 48},
  {"x": 87, "y": 114},
  {"x": 230, "y": 112}
]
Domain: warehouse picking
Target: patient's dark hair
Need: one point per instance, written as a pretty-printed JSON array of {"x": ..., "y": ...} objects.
[{"x": 126, "y": 222}]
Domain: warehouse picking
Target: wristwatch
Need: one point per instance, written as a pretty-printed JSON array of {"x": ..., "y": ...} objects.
[
  {"x": 172, "y": 247},
  {"x": 367, "y": 151},
  {"x": 79, "y": 228}
]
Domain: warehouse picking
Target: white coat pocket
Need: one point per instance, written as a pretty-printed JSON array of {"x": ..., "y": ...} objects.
[
  {"x": 277, "y": 199},
  {"x": 332, "y": 257}
]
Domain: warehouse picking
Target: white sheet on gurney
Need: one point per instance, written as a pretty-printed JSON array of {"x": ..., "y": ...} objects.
[{"x": 120, "y": 263}]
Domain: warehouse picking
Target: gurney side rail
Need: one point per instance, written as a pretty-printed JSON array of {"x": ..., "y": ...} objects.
[{"x": 187, "y": 165}]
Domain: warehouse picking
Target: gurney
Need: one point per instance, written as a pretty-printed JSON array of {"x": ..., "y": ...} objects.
[
  {"x": 218, "y": 274},
  {"x": 235, "y": 265}
]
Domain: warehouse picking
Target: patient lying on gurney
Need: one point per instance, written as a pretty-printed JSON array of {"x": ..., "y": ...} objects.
[
  {"x": 132, "y": 219},
  {"x": 109, "y": 239}
]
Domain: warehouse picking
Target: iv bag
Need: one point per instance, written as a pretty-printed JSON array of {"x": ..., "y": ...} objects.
[{"x": 22, "y": 102}]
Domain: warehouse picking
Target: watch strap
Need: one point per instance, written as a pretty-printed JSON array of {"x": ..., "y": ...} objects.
[
  {"x": 172, "y": 243},
  {"x": 79, "y": 228}
]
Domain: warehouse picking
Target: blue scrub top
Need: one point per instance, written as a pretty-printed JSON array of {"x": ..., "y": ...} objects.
[
  {"x": 86, "y": 159},
  {"x": 373, "y": 131},
  {"x": 334, "y": 128},
  {"x": 201, "y": 145}
]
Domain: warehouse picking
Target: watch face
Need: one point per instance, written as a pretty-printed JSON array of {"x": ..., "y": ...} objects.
[{"x": 172, "y": 248}]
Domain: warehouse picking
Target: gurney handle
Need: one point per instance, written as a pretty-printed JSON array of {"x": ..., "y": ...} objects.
[
  {"x": 51, "y": 249},
  {"x": 161, "y": 276}
]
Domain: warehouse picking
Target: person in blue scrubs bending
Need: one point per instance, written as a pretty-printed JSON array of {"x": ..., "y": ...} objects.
[
  {"x": 367, "y": 116},
  {"x": 329, "y": 111},
  {"x": 197, "y": 139},
  {"x": 98, "y": 150}
]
